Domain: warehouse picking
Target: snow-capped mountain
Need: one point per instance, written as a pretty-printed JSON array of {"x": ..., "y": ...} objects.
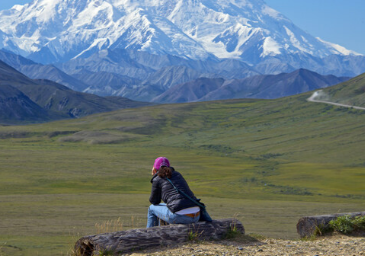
[{"x": 249, "y": 30}]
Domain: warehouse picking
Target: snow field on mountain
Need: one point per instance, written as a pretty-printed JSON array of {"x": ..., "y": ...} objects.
[{"x": 194, "y": 29}]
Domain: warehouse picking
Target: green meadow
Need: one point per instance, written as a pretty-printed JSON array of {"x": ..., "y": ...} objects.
[{"x": 266, "y": 162}]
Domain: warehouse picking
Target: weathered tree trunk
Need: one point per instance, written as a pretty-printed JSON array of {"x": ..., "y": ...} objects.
[
  {"x": 307, "y": 226},
  {"x": 125, "y": 241}
]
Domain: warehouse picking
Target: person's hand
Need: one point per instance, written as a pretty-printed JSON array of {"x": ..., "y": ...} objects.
[{"x": 153, "y": 171}]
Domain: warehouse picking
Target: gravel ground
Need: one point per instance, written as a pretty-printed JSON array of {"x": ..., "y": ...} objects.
[{"x": 246, "y": 245}]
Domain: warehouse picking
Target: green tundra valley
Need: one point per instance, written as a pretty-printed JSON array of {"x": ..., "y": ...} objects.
[{"x": 265, "y": 162}]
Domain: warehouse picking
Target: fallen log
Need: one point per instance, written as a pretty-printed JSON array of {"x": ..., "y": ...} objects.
[
  {"x": 308, "y": 226},
  {"x": 136, "y": 239}
]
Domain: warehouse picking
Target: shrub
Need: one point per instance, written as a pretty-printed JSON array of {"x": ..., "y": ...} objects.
[
  {"x": 359, "y": 222},
  {"x": 346, "y": 224},
  {"x": 342, "y": 224}
]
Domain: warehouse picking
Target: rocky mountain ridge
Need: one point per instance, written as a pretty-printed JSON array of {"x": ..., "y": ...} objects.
[
  {"x": 170, "y": 83},
  {"x": 50, "y": 31},
  {"x": 259, "y": 87},
  {"x": 35, "y": 100},
  {"x": 143, "y": 49}
]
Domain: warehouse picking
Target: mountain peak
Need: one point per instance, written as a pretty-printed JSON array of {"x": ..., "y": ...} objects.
[{"x": 249, "y": 30}]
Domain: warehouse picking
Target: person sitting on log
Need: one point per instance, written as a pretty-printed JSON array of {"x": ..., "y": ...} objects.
[{"x": 170, "y": 186}]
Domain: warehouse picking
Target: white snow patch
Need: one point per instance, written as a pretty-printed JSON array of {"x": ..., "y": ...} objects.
[
  {"x": 28, "y": 44},
  {"x": 86, "y": 17},
  {"x": 339, "y": 49},
  {"x": 18, "y": 7},
  {"x": 270, "y": 47},
  {"x": 46, "y": 10},
  {"x": 242, "y": 32},
  {"x": 218, "y": 49},
  {"x": 295, "y": 42},
  {"x": 239, "y": 3},
  {"x": 304, "y": 39},
  {"x": 272, "y": 13},
  {"x": 97, "y": 43}
]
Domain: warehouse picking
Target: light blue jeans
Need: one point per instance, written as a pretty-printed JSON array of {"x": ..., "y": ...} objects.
[{"x": 160, "y": 211}]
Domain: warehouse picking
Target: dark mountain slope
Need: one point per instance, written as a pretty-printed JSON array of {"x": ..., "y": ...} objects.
[
  {"x": 38, "y": 71},
  {"x": 105, "y": 83},
  {"x": 117, "y": 61},
  {"x": 9, "y": 74},
  {"x": 286, "y": 84},
  {"x": 191, "y": 91},
  {"x": 59, "y": 98},
  {"x": 169, "y": 76},
  {"x": 262, "y": 86},
  {"x": 55, "y": 99},
  {"x": 15, "y": 106},
  {"x": 52, "y": 73},
  {"x": 115, "y": 72}
]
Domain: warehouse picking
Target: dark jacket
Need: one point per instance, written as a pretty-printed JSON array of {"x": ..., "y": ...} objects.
[{"x": 162, "y": 189}]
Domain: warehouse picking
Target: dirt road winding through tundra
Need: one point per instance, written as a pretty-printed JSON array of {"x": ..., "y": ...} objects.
[{"x": 317, "y": 93}]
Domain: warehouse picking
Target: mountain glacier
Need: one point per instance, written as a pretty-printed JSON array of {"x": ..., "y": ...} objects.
[{"x": 50, "y": 31}]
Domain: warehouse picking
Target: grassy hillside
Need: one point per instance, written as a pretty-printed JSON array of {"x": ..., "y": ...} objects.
[
  {"x": 268, "y": 162},
  {"x": 255, "y": 139},
  {"x": 351, "y": 92}
]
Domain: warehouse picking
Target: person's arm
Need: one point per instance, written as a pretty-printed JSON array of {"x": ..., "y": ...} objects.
[{"x": 155, "y": 197}]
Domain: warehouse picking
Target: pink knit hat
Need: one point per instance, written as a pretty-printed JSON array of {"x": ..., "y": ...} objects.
[{"x": 161, "y": 161}]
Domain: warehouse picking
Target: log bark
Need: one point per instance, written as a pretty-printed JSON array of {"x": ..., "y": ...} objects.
[
  {"x": 307, "y": 226},
  {"x": 136, "y": 239}
]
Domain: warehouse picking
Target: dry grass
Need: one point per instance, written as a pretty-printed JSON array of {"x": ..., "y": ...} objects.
[{"x": 109, "y": 226}]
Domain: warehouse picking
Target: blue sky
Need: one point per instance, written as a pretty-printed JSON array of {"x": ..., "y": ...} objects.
[{"x": 337, "y": 21}]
